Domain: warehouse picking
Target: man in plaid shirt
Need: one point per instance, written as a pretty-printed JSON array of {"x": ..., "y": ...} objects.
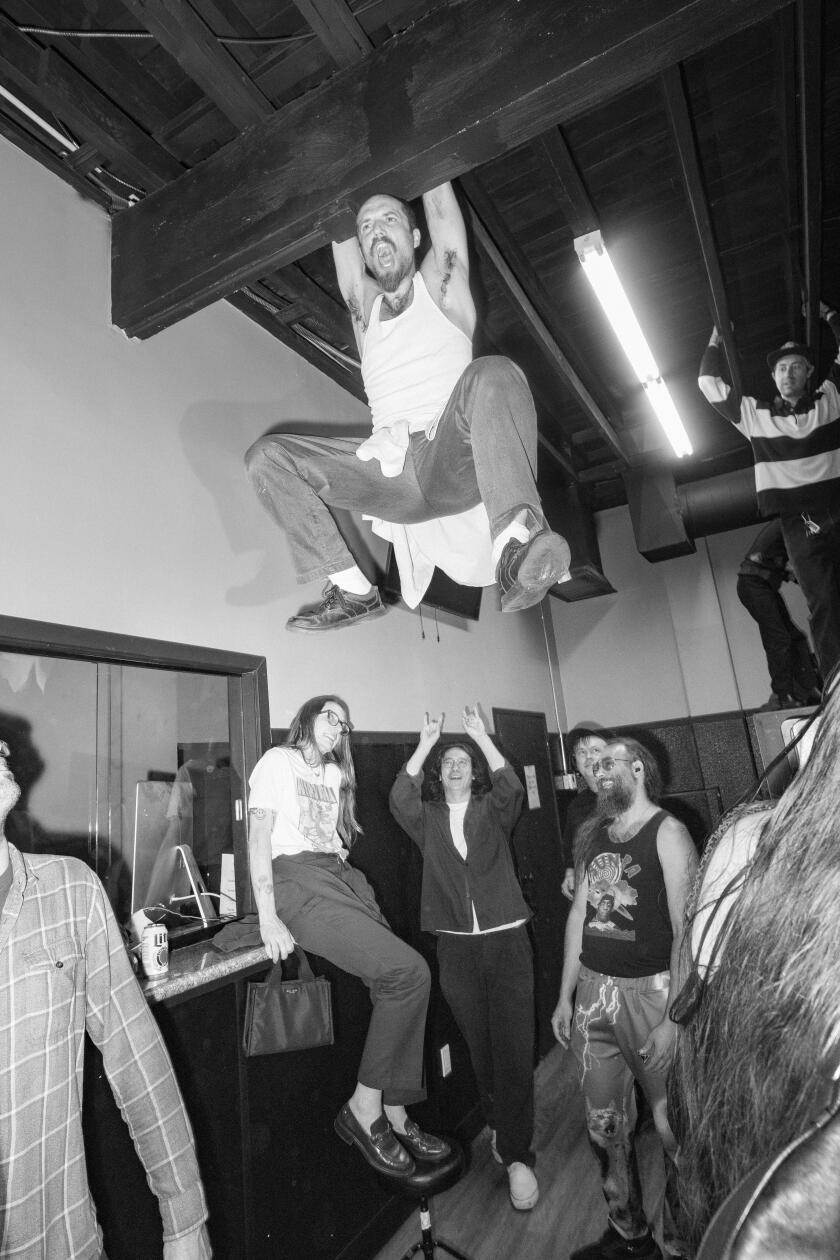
[{"x": 63, "y": 971}]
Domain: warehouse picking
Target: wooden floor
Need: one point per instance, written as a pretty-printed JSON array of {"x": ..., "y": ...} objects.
[{"x": 476, "y": 1216}]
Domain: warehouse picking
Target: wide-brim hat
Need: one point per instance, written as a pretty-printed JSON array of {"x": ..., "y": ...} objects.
[{"x": 790, "y": 347}]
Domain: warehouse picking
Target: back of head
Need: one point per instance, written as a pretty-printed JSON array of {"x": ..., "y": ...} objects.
[{"x": 749, "y": 1071}]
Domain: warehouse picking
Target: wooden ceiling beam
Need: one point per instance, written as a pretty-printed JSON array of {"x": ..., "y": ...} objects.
[
  {"x": 526, "y": 291},
  {"x": 59, "y": 88},
  {"x": 284, "y": 69},
  {"x": 20, "y": 136},
  {"x": 343, "y": 36},
  {"x": 556, "y": 159},
  {"x": 809, "y": 64},
  {"x": 784, "y": 85},
  {"x": 273, "y": 324},
  {"x": 295, "y": 284},
  {"x": 188, "y": 39},
  {"x": 405, "y": 118},
  {"x": 682, "y": 131}
]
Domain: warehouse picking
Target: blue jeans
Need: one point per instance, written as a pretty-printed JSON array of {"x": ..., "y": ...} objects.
[
  {"x": 484, "y": 450},
  {"x": 814, "y": 555}
]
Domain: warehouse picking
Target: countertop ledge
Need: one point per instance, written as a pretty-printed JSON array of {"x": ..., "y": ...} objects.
[{"x": 195, "y": 967}]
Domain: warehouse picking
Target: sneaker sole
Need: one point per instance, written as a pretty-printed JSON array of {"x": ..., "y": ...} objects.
[
  {"x": 546, "y": 564},
  {"x": 308, "y": 628}
]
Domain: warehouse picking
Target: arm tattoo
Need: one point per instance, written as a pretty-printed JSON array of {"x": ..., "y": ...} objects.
[
  {"x": 356, "y": 312},
  {"x": 449, "y": 257}
]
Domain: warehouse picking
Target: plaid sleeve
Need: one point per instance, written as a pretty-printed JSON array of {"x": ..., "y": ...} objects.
[{"x": 140, "y": 1073}]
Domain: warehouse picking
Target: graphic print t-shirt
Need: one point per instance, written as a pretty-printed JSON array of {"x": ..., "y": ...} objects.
[
  {"x": 305, "y": 801},
  {"x": 627, "y": 931}
]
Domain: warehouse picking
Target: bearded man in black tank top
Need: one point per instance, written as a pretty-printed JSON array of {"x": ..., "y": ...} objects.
[{"x": 622, "y": 949}]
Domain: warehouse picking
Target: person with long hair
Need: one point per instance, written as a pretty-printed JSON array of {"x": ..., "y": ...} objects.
[
  {"x": 760, "y": 1012},
  {"x": 302, "y": 811},
  {"x": 472, "y": 901}
]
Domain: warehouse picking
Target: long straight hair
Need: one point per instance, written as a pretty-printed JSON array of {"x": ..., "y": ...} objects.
[
  {"x": 760, "y": 1037},
  {"x": 302, "y": 736}
]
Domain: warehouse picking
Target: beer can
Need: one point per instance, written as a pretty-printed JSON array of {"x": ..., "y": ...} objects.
[{"x": 154, "y": 951}]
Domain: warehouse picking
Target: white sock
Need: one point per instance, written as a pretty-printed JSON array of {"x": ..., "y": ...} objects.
[
  {"x": 513, "y": 530},
  {"x": 352, "y": 580}
]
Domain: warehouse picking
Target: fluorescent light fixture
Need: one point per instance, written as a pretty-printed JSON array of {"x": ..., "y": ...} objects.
[{"x": 603, "y": 277}]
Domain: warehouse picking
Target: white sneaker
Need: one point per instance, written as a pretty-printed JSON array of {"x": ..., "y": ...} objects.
[
  {"x": 494, "y": 1151},
  {"x": 523, "y": 1187}
]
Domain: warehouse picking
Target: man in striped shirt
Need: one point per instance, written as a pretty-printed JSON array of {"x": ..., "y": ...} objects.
[
  {"x": 795, "y": 440},
  {"x": 64, "y": 970}
]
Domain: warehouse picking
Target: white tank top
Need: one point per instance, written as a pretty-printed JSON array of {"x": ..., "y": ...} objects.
[{"x": 410, "y": 364}]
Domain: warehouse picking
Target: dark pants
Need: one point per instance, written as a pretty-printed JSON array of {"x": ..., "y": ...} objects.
[
  {"x": 813, "y": 547},
  {"x": 488, "y": 981},
  {"x": 330, "y": 909},
  {"x": 788, "y": 656},
  {"x": 484, "y": 450}
]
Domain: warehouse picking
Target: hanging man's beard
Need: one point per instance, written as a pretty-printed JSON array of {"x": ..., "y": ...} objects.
[
  {"x": 389, "y": 278},
  {"x": 615, "y": 800}
]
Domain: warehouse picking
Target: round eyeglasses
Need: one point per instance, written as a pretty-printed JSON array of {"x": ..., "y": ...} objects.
[
  {"x": 456, "y": 763},
  {"x": 606, "y": 763},
  {"x": 335, "y": 720}
]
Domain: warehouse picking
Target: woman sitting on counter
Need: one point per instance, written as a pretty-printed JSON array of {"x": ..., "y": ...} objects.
[{"x": 302, "y": 823}]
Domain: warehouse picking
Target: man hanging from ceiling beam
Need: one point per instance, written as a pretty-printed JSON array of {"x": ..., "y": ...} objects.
[{"x": 448, "y": 473}]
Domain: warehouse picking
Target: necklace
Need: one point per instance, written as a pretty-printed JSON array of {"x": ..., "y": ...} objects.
[{"x": 317, "y": 767}]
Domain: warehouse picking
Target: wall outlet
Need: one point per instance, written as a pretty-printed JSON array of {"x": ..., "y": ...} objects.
[{"x": 445, "y": 1060}]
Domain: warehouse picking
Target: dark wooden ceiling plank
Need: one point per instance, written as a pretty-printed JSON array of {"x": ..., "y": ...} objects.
[
  {"x": 187, "y": 38},
  {"x": 86, "y": 158},
  {"x": 784, "y": 83},
  {"x": 279, "y": 72},
  {"x": 343, "y": 36},
  {"x": 20, "y": 136},
  {"x": 347, "y": 378},
  {"x": 524, "y": 288},
  {"x": 60, "y": 88},
  {"x": 111, "y": 64},
  {"x": 406, "y": 118},
  {"x": 293, "y": 282},
  {"x": 809, "y": 64},
  {"x": 566, "y": 184},
  {"x": 679, "y": 119}
]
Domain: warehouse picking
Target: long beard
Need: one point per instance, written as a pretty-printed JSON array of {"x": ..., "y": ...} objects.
[{"x": 614, "y": 801}]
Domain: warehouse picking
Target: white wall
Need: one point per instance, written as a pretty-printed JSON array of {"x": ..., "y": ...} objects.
[
  {"x": 125, "y": 506},
  {"x": 673, "y": 640}
]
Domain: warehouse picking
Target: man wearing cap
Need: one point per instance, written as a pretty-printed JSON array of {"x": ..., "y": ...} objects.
[{"x": 795, "y": 440}]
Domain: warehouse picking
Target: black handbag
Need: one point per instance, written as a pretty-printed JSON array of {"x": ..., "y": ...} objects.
[{"x": 288, "y": 1014}]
